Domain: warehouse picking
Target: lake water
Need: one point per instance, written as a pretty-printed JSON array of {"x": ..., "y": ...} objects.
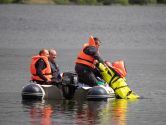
[{"x": 136, "y": 34}]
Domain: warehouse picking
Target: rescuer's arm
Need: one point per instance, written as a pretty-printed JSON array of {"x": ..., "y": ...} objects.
[{"x": 92, "y": 51}]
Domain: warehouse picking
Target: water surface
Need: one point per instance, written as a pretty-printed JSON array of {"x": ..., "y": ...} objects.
[{"x": 136, "y": 34}]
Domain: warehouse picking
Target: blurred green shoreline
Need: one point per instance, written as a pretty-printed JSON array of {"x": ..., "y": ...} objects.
[{"x": 85, "y": 2}]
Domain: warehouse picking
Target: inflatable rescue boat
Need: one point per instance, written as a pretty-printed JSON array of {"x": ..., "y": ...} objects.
[
  {"x": 113, "y": 74},
  {"x": 69, "y": 89}
]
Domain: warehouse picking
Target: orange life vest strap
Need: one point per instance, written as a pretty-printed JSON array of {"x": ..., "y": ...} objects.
[{"x": 86, "y": 60}]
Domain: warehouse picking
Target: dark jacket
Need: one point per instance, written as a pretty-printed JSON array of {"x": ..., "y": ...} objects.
[
  {"x": 56, "y": 77},
  {"x": 40, "y": 65}
]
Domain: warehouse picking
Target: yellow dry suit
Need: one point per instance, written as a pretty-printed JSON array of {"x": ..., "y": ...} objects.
[{"x": 117, "y": 83}]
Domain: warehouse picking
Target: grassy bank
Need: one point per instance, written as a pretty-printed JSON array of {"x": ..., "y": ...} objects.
[{"x": 86, "y": 2}]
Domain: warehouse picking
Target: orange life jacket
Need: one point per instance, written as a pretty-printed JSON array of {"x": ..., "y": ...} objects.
[
  {"x": 46, "y": 72},
  {"x": 85, "y": 59},
  {"x": 119, "y": 67}
]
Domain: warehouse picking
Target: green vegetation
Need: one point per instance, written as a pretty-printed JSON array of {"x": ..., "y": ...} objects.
[
  {"x": 95, "y": 2},
  {"x": 161, "y": 1},
  {"x": 142, "y": 2},
  {"x": 10, "y": 1},
  {"x": 109, "y": 2},
  {"x": 85, "y": 2},
  {"x": 6, "y": 1},
  {"x": 123, "y": 2},
  {"x": 61, "y": 2}
]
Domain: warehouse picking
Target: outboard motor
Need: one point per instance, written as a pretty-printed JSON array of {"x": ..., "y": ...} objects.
[
  {"x": 69, "y": 84},
  {"x": 97, "y": 93},
  {"x": 32, "y": 91}
]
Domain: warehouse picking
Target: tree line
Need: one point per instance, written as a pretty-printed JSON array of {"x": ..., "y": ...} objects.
[{"x": 94, "y": 2}]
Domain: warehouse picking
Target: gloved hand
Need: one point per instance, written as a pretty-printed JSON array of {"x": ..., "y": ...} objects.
[{"x": 100, "y": 83}]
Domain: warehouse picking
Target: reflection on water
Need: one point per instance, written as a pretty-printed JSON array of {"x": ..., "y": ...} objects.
[
  {"x": 119, "y": 112},
  {"x": 40, "y": 113},
  {"x": 113, "y": 111}
]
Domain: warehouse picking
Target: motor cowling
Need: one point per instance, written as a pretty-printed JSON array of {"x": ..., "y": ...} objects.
[{"x": 69, "y": 84}]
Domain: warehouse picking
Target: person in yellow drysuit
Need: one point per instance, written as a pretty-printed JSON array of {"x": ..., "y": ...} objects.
[{"x": 116, "y": 80}]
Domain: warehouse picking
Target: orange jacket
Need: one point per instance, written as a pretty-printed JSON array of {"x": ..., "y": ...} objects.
[
  {"x": 46, "y": 72},
  {"x": 85, "y": 59},
  {"x": 119, "y": 67}
]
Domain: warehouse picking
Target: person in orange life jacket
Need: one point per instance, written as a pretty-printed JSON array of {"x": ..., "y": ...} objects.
[
  {"x": 86, "y": 70},
  {"x": 40, "y": 68},
  {"x": 56, "y": 77}
]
